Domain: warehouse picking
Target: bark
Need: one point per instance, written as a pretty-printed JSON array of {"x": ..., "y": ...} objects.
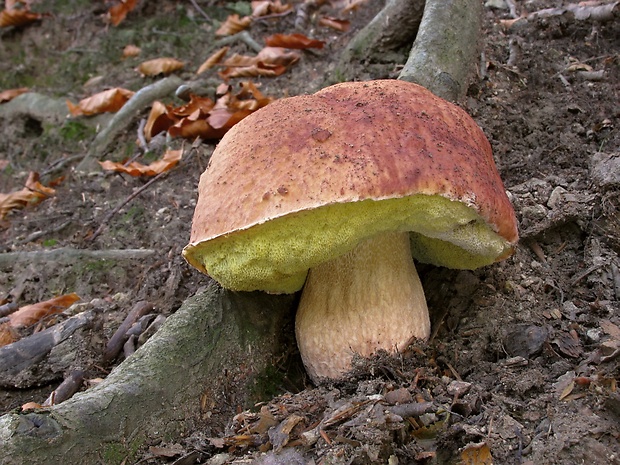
[
  {"x": 445, "y": 50},
  {"x": 445, "y": 36},
  {"x": 393, "y": 28},
  {"x": 218, "y": 342}
]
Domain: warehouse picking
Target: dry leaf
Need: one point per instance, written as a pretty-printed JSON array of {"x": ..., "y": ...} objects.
[
  {"x": 168, "y": 161},
  {"x": 31, "y": 406},
  {"x": 10, "y": 94},
  {"x": 110, "y": 100},
  {"x": 213, "y": 60},
  {"x": 270, "y": 62},
  {"x": 131, "y": 51},
  {"x": 18, "y": 18},
  {"x": 8, "y": 335},
  {"x": 159, "y": 66},
  {"x": 298, "y": 41},
  {"x": 31, "y": 194},
  {"x": 31, "y": 314},
  {"x": 267, "y": 7},
  {"x": 349, "y": 5},
  {"x": 233, "y": 24},
  {"x": 159, "y": 120},
  {"x": 610, "y": 328},
  {"x": 341, "y": 25},
  {"x": 476, "y": 454},
  {"x": 117, "y": 13}
]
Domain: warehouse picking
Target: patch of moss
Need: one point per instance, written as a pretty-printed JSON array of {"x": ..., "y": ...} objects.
[
  {"x": 115, "y": 453},
  {"x": 73, "y": 131}
]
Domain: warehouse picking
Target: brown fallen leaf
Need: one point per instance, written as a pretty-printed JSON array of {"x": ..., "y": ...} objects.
[
  {"x": 269, "y": 62},
  {"x": 31, "y": 314},
  {"x": 8, "y": 335},
  {"x": 31, "y": 194},
  {"x": 296, "y": 40},
  {"x": 117, "y": 13},
  {"x": 476, "y": 454},
  {"x": 110, "y": 101},
  {"x": 160, "y": 66},
  {"x": 159, "y": 120},
  {"x": 213, "y": 60},
  {"x": 268, "y": 7},
  {"x": 131, "y": 50},
  {"x": 167, "y": 162},
  {"x": 18, "y": 17},
  {"x": 233, "y": 24},
  {"x": 341, "y": 25},
  {"x": 10, "y": 94}
]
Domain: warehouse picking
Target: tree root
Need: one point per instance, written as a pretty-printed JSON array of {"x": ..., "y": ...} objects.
[
  {"x": 203, "y": 350},
  {"x": 217, "y": 344},
  {"x": 69, "y": 255},
  {"x": 444, "y": 53}
]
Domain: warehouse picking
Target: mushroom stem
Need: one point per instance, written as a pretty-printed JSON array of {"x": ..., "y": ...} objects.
[{"x": 368, "y": 299}]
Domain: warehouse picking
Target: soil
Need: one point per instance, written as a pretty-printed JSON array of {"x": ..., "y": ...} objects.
[{"x": 523, "y": 364}]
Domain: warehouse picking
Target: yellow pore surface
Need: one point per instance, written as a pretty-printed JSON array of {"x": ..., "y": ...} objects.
[{"x": 275, "y": 256}]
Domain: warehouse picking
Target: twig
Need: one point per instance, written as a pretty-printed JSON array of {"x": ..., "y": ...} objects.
[
  {"x": 243, "y": 36},
  {"x": 108, "y": 217},
  {"x": 141, "y": 137},
  {"x": 200, "y": 10},
  {"x": 8, "y": 308},
  {"x": 36, "y": 235},
  {"x": 67, "y": 255}
]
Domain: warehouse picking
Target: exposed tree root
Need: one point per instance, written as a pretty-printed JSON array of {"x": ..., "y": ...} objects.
[{"x": 155, "y": 392}]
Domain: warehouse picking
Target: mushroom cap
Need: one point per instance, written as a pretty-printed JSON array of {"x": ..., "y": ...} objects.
[{"x": 305, "y": 178}]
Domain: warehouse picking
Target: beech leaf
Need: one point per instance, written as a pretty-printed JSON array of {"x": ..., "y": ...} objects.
[
  {"x": 31, "y": 194},
  {"x": 233, "y": 24},
  {"x": 31, "y": 314},
  {"x": 298, "y": 41},
  {"x": 110, "y": 101},
  {"x": 10, "y": 94},
  {"x": 18, "y": 18},
  {"x": 117, "y": 13},
  {"x": 167, "y": 162},
  {"x": 159, "y": 66},
  {"x": 213, "y": 60}
]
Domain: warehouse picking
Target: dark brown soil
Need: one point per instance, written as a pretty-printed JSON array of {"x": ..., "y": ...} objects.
[{"x": 524, "y": 359}]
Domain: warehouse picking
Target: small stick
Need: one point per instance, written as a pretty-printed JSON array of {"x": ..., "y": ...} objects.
[
  {"x": 243, "y": 36},
  {"x": 116, "y": 342},
  {"x": 108, "y": 217},
  {"x": 8, "y": 308},
  {"x": 200, "y": 10},
  {"x": 66, "y": 389}
]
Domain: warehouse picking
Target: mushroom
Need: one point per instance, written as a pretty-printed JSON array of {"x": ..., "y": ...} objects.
[{"x": 335, "y": 192}]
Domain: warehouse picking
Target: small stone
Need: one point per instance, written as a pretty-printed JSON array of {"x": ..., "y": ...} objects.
[
  {"x": 458, "y": 388},
  {"x": 398, "y": 396}
]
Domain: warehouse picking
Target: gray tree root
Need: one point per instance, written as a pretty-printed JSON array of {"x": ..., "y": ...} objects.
[
  {"x": 218, "y": 336},
  {"x": 445, "y": 50},
  {"x": 217, "y": 344},
  {"x": 393, "y": 28}
]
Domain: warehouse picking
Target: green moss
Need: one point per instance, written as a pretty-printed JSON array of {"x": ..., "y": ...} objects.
[
  {"x": 116, "y": 453},
  {"x": 73, "y": 130},
  {"x": 275, "y": 256}
]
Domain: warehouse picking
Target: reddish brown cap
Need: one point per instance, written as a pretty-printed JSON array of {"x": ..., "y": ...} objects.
[{"x": 350, "y": 142}]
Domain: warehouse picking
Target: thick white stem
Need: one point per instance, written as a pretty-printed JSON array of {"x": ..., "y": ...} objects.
[{"x": 368, "y": 299}]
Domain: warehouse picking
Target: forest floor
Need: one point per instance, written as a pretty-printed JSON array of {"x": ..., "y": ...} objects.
[{"x": 523, "y": 365}]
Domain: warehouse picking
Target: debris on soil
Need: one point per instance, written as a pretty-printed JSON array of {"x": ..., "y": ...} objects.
[{"x": 524, "y": 359}]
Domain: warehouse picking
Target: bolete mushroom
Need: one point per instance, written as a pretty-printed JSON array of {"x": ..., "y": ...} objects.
[{"x": 334, "y": 192}]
